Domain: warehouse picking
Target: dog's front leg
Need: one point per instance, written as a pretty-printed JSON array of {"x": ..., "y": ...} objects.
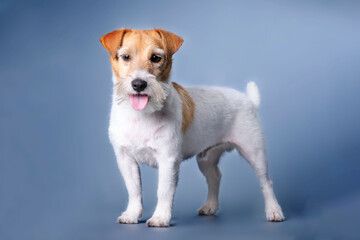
[
  {"x": 168, "y": 177},
  {"x": 130, "y": 171}
]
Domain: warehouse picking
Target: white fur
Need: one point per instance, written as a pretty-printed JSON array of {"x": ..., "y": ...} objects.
[
  {"x": 122, "y": 51},
  {"x": 253, "y": 93},
  {"x": 159, "y": 51},
  {"x": 225, "y": 119}
]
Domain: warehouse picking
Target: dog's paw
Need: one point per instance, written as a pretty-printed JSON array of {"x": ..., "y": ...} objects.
[
  {"x": 158, "y": 221},
  {"x": 208, "y": 209},
  {"x": 274, "y": 214},
  {"x": 128, "y": 218}
]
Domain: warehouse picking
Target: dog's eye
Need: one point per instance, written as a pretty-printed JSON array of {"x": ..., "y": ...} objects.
[
  {"x": 125, "y": 57},
  {"x": 155, "y": 58}
]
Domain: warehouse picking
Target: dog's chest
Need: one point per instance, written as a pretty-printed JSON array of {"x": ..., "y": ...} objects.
[{"x": 142, "y": 136}]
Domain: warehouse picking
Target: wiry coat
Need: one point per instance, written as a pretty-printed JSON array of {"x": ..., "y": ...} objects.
[{"x": 177, "y": 123}]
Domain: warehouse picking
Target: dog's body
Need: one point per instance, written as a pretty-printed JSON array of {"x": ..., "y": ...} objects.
[{"x": 160, "y": 123}]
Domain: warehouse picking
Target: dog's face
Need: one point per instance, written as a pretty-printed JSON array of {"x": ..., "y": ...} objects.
[{"x": 141, "y": 61}]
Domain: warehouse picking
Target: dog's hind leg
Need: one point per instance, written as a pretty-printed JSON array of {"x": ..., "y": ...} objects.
[
  {"x": 252, "y": 147},
  {"x": 208, "y": 164}
]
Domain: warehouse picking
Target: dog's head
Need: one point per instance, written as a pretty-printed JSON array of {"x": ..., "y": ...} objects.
[{"x": 141, "y": 61}]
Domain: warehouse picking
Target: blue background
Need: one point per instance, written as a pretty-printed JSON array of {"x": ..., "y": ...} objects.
[{"x": 58, "y": 174}]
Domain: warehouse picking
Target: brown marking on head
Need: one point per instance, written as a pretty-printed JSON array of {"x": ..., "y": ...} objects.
[
  {"x": 188, "y": 107},
  {"x": 115, "y": 67},
  {"x": 113, "y": 40},
  {"x": 140, "y": 46},
  {"x": 171, "y": 41}
]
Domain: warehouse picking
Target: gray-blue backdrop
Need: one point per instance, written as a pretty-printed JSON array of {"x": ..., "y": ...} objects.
[{"x": 58, "y": 174}]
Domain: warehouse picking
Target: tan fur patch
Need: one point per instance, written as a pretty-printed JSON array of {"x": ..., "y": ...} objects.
[
  {"x": 115, "y": 66},
  {"x": 113, "y": 40},
  {"x": 140, "y": 45},
  {"x": 188, "y": 107}
]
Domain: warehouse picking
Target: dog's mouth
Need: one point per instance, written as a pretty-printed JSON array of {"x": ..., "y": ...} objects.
[{"x": 138, "y": 101}]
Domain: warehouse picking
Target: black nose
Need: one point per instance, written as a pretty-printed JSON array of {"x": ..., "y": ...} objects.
[{"x": 138, "y": 85}]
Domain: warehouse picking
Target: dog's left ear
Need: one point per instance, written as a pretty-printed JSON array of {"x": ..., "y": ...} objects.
[
  {"x": 113, "y": 40},
  {"x": 172, "y": 42}
]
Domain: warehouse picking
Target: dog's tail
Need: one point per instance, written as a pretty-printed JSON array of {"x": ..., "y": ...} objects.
[{"x": 253, "y": 94}]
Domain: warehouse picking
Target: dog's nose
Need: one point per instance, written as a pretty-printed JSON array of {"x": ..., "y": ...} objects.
[{"x": 138, "y": 85}]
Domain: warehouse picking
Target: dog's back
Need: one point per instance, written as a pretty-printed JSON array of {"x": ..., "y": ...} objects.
[{"x": 216, "y": 111}]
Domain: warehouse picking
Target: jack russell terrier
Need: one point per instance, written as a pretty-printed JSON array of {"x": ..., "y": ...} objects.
[{"x": 160, "y": 123}]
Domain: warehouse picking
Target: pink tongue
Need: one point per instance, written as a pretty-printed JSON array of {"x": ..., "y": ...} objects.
[{"x": 138, "y": 102}]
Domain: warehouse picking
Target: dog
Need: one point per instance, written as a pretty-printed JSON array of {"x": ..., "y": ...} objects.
[{"x": 160, "y": 123}]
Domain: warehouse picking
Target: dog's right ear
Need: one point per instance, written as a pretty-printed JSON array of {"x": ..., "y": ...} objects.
[{"x": 113, "y": 40}]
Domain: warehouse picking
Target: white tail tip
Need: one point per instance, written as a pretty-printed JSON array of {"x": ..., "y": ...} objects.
[{"x": 252, "y": 92}]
